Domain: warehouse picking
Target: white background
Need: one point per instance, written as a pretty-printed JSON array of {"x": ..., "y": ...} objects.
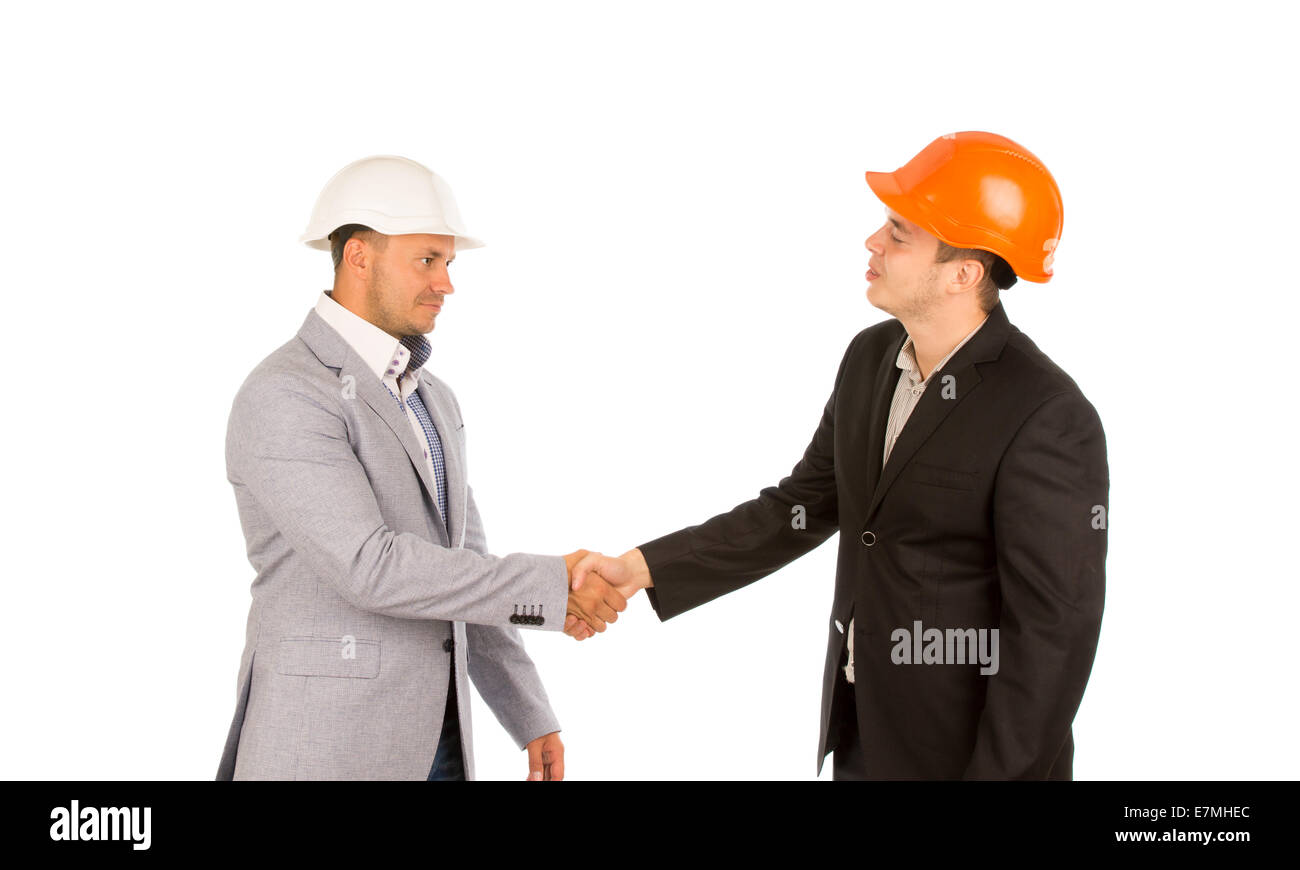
[{"x": 673, "y": 201}]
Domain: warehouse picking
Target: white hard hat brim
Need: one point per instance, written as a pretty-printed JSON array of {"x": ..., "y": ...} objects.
[{"x": 317, "y": 236}]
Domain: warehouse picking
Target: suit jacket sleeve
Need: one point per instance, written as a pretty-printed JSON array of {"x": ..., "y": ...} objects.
[
  {"x": 698, "y": 564},
  {"x": 501, "y": 668},
  {"x": 287, "y": 442},
  {"x": 1050, "y": 498}
]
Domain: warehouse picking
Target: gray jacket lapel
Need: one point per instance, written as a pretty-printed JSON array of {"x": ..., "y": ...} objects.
[{"x": 360, "y": 382}]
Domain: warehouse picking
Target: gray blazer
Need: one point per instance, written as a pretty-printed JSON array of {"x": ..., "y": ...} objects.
[{"x": 363, "y": 595}]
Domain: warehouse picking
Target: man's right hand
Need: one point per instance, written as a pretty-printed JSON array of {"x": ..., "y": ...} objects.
[
  {"x": 626, "y": 574},
  {"x": 591, "y": 604}
]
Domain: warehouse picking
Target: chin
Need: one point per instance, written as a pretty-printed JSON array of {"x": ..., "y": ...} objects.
[{"x": 874, "y": 296}]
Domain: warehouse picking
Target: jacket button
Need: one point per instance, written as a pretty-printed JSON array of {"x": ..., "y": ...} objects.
[
  {"x": 448, "y": 645},
  {"x": 869, "y": 538}
]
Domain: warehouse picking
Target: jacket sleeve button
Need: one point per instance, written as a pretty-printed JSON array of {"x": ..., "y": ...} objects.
[{"x": 869, "y": 538}]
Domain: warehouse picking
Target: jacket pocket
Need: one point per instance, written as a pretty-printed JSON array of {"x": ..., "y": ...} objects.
[
  {"x": 344, "y": 656},
  {"x": 948, "y": 478}
]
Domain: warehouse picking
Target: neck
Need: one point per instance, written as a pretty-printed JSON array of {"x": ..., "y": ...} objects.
[
  {"x": 353, "y": 298},
  {"x": 935, "y": 335}
]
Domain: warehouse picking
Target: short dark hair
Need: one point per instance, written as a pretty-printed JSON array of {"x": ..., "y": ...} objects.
[
  {"x": 998, "y": 274},
  {"x": 340, "y": 237}
]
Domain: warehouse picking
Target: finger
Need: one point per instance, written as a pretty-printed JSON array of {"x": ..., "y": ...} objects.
[
  {"x": 535, "y": 765},
  {"x": 605, "y": 612},
  {"x": 615, "y": 599},
  {"x": 557, "y": 764},
  {"x": 593, "y": 622},
  {"x": 595, "y": 619}
]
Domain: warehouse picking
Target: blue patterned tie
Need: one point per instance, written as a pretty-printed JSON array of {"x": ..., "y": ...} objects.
[{"x": 420, "y": 348}]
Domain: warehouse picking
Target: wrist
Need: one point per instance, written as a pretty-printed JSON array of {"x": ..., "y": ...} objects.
[{"x": 640, "y": 570}]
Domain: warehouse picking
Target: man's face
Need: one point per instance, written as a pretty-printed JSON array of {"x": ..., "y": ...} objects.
[
  {"x": 408, "y": 282},
  {"x": 903, "y": 279}
]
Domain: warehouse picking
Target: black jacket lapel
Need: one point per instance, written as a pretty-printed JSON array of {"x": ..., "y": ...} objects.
[{"x": 938, "y": 400}]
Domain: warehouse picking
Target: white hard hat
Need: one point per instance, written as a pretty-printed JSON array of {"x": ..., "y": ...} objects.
[{"x": 390, "y": 194}]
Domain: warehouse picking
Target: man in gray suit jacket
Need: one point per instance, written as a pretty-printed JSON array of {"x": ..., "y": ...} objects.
[{"x": 376, "y": 598}]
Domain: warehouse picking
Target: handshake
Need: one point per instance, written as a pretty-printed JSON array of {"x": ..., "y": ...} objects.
[{"x": 599, "y": 587}]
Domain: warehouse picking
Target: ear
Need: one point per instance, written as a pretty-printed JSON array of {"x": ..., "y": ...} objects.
[
  {"x": 968, "y": 277},
  {"x": 356, "y": 254}
]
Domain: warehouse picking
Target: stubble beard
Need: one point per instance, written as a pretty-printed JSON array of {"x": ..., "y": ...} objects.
[
  {"x": 920, "y": 305},
  {"x": 378, "y": 298}
]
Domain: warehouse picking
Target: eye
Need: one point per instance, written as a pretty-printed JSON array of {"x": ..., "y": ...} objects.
[
  {"x": 427, "y": 259},
  {"x": 894, "y": 237}
]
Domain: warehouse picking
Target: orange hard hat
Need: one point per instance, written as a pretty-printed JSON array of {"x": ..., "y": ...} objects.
[{"x": 980, "y": 190}]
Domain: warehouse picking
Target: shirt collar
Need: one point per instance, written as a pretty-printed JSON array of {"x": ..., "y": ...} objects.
[
  {"x": 907, "y": 355},
  {"x": 384, "y": 355}
]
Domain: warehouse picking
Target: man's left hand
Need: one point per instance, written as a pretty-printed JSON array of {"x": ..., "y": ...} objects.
[{"x": 546, "y": 758}]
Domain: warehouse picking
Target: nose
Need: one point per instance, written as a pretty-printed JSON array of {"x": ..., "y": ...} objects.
[
  {"x": 442, "y": 283},
  {"x": 873, "y": 242}
]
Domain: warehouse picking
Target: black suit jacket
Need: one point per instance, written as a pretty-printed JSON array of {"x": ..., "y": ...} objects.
[{"x": 989, "y": 514}]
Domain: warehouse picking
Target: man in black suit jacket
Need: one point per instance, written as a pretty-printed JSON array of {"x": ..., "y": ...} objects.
[{"x": 970, "y": 580}]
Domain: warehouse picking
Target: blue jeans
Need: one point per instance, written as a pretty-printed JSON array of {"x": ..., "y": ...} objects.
[{"x": 448, "y": 762}]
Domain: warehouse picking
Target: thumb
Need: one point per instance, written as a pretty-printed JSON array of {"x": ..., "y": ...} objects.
[{"x": 579, "y": 571}]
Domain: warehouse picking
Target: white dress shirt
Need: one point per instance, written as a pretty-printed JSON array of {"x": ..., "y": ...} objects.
[{"x": 906, "y": 394}]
